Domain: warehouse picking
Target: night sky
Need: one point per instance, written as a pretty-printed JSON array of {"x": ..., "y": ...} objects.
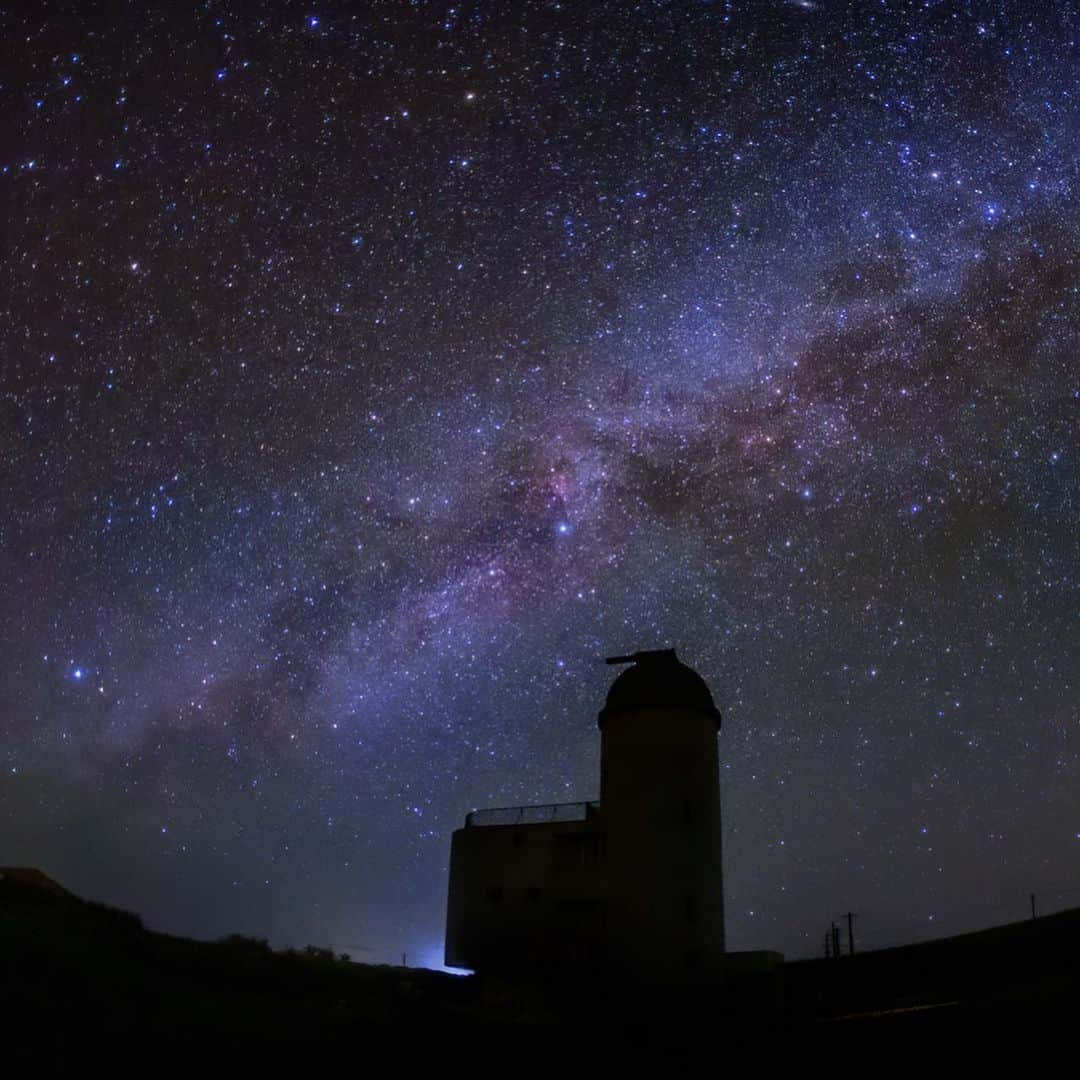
[{"x": 369, "y": 372}]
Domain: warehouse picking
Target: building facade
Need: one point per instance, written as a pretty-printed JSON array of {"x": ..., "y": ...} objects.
[{"x": 630, "y": 883}]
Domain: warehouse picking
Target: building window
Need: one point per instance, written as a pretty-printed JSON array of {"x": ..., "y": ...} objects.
[
  {"x": 579, "y": 919},
  {"x": 533, "y": 894},
  {"x": 495, "y": 894},
  {"x": 579, "y": 849}
]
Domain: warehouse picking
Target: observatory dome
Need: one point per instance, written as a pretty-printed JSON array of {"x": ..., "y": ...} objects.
[{"x": 657, "y": 680}]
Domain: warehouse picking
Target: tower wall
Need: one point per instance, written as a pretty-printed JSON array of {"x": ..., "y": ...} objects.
[{"x": 660, "y": 802}]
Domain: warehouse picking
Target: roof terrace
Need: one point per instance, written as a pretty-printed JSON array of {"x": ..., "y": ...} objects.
[{"x": 532, "y": 815}]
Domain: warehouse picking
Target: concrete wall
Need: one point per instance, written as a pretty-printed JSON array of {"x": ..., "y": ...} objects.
[
  {"x": 526, "y": 895},
  {"x": 660, "y": 800}
]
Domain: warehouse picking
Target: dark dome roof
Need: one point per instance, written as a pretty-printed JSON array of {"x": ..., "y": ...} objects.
[{"x": 657, "y": 680}]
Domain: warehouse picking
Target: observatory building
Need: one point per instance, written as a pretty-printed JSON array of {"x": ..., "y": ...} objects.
[{"x": 630, "y": 883}]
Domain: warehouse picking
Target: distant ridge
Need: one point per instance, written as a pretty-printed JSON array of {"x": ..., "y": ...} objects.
[{"x": 31, "y": 879}]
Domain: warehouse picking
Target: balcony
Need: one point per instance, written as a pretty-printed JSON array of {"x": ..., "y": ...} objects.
[{"x": 532, "y": 815}]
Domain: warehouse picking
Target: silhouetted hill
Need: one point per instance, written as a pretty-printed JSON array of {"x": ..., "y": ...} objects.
[
  {"x": 28, "y": 881},
  {"x": 96, "y": 975},
  {"x": 1030, "y": 965},
  {"x": 81, "y": 966}
]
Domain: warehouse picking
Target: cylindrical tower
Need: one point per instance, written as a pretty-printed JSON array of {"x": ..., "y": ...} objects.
[{"x": 660, "y": 802}]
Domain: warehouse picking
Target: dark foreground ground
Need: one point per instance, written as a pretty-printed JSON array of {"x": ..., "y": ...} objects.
[{"x": 84, "y": 979}]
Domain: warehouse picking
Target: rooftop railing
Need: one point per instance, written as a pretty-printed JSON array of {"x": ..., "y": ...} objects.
[{"x": 531, "y": 815}]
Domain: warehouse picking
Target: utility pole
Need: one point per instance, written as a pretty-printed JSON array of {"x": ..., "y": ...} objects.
[
  {"x": 828, "y": 938},
  {"x": 850, "y": 916},
  {"x": 836, "y": 941},
  {"x": 1033, "y": 906}
]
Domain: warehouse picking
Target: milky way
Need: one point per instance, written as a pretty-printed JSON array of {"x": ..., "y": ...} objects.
[{"x": 370, "y": 372}]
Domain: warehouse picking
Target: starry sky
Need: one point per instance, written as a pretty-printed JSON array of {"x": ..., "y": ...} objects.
[{"x": 369, "y": 372}]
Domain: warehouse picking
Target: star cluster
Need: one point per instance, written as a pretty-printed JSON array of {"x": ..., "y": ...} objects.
[{"x": 371, "y": 371}]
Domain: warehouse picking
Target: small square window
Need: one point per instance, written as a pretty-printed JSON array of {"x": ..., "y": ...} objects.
[{"x": 579, "y": 849}]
